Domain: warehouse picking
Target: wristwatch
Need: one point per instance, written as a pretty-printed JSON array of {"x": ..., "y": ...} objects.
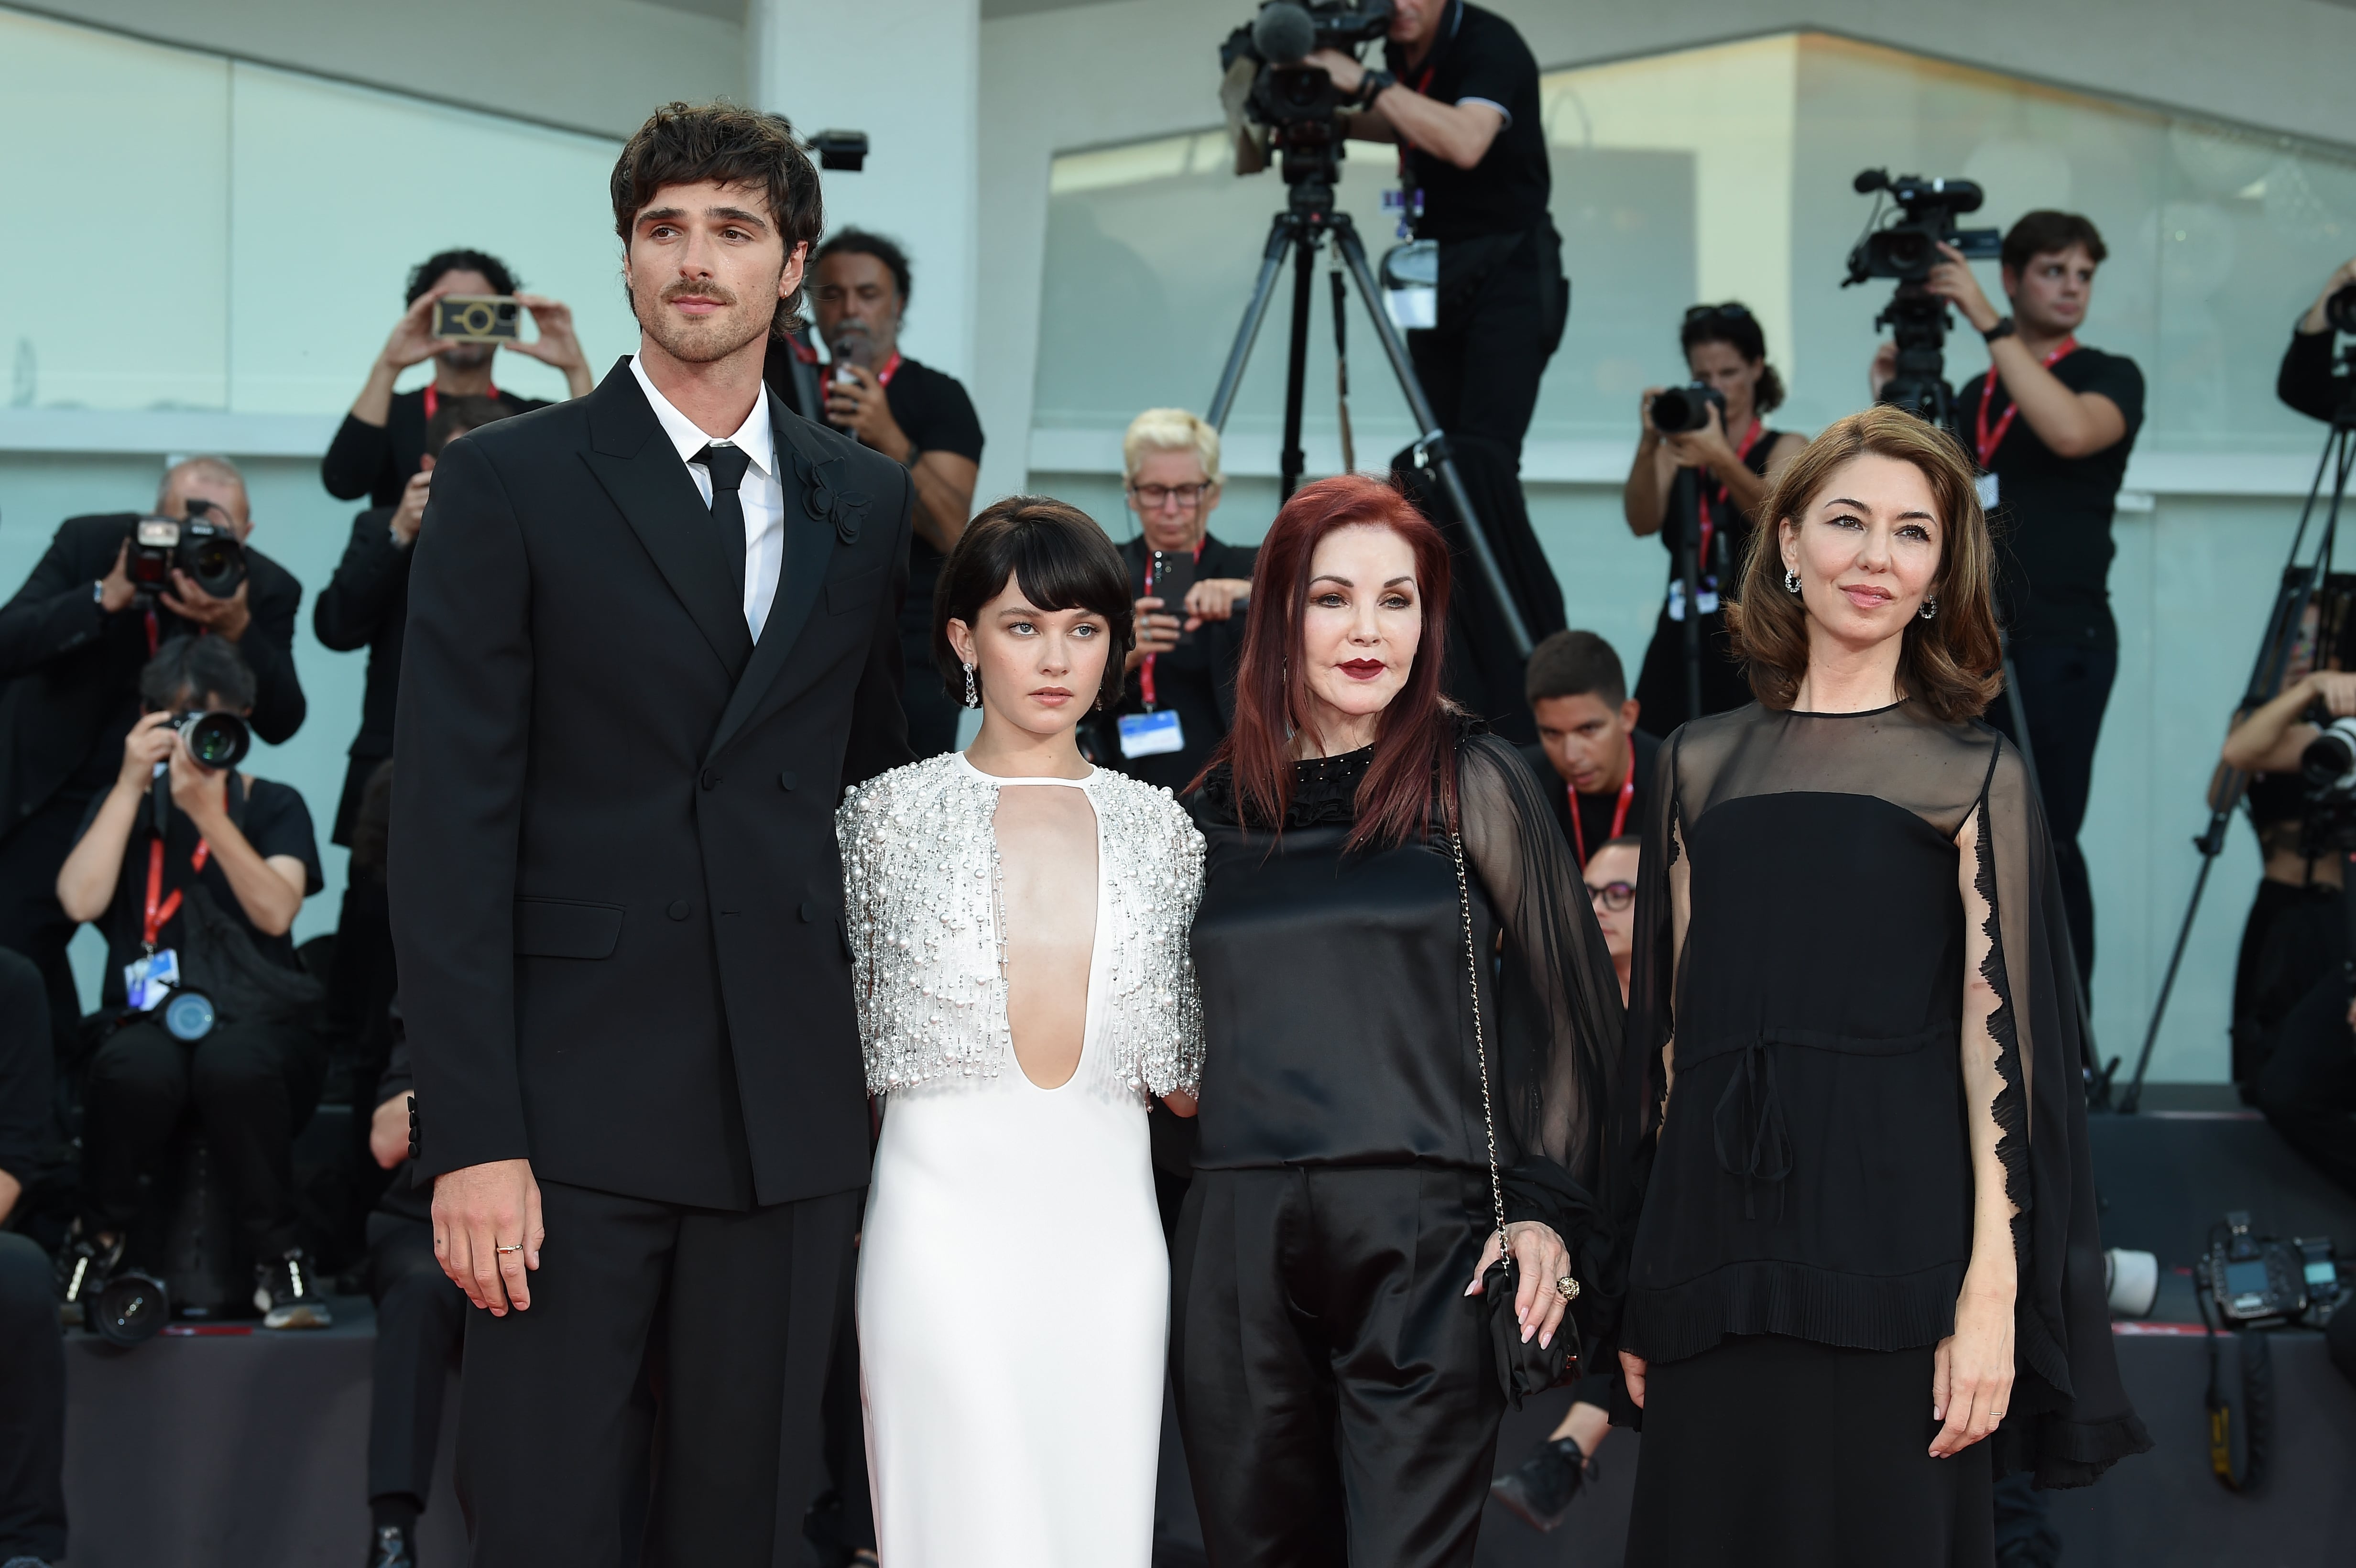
[
  {"x": 1371, "y": 86},
  {"x": 2004, "y": 327}
]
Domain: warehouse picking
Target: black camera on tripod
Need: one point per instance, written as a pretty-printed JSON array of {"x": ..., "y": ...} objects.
[
  {"x": 2340, "y": 310},
  {"x": 1906, "y": 247},
  {"x": 1276, "y": 102},
  {"x": 207, "y": 551}
]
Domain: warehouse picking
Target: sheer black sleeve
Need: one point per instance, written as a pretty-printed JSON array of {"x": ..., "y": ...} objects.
[{"x": 1555, "y": 1047}]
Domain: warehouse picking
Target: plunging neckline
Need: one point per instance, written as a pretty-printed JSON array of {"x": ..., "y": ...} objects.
[{"x": 1096, "y": 977}]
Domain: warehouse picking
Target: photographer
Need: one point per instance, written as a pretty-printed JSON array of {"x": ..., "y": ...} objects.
[
  {"x": 1593, "y": 761},
  {"x": 915, "y": 415},
  {"x": 1459, "y": 95},
  {"x": 379, "y": 443},
  {"x": 2051, "y": 423},
  {"x": 1732, "y": 456},
  {"x": 1179, "y": 697},
  {"x": 2307, "y": 381},
  {"x": 366, "y": 604},
  {"x": 71, "y": 645},
  {"x": 32, "y": 1352},
  {"x": 213, "y": 897},
  {"x": 2296, "y": 932}
]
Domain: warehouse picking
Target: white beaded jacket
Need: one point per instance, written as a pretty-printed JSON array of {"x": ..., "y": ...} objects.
[{"x": 922, "y": 880}]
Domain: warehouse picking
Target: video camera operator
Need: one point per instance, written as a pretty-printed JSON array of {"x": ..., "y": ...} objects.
[
  {"x": 1459, "y": 95},
  {"x": 916, "y": 415},
  {"x": 1732, "y": 455},
  {"x": 208, "y": 900},
  {"x": 32, "y": 1350},
  {"x": 72, "y": 641},
  {"x": 2052, "y": 424},
  {"x": 2308, "y": 381},
  {"x": 378, "y": 445}
]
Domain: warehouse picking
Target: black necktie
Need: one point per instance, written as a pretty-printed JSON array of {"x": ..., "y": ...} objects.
[{"x": 727, "y": 464}]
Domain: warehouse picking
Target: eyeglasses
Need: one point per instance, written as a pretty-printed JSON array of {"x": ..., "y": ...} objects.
[
  {"x": 1614, "y": 896},
  {"x": 1153, "y": 497},
  {"x": 1731, "y": 311}
]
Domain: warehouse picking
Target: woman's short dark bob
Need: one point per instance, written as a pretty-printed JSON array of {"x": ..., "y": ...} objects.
[{"x": 1057, "y": 556}]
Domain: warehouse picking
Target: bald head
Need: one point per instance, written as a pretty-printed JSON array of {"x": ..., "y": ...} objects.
[{"x": 213, "y": 479}]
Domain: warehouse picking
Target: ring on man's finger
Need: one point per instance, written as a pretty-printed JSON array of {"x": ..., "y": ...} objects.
[{"x": 517, "y": 1248}]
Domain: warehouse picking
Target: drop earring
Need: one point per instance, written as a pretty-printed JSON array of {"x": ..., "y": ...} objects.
[
  {"x": 1930, "y": 609},
  {"x": 972, "y": 688},
  {"x": 1791, "y": 581}
]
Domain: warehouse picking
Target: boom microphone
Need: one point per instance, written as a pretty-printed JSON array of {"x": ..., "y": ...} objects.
[{"x": 1283, "y": 33}]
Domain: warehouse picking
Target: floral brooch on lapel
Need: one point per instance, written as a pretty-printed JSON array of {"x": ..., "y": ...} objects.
[{"x": 846, "y": 509}]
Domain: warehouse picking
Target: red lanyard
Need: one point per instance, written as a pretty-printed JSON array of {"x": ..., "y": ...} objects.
[
  {"x": 1708, "y": 524},
  {"x": 1145, "y": 670},
  {"x": 434, "y": 399},
  {"x": 883, "y": 376},
  {"x": 1618, "y": 813},
  {"x": 161, "y": 910},
  {"x": 1982, "y": 437}
]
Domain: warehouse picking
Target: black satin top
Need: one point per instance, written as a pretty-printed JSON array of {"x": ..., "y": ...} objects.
[{"x": 1333, "y": 985}]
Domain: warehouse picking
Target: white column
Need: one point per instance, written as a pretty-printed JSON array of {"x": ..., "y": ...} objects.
[{"x": 907, "y": 72}]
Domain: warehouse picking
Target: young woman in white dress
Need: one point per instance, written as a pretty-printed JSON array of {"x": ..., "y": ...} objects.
[{"x": 1018, "y": 924}]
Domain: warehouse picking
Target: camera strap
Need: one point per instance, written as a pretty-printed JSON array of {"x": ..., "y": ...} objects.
[
  {"x": 1145, "y": 670},
  {"x": 1988, "y": 441},
  {"x": 161, "y": 910},
  {"x": 1708, "y": 517},
  {"x": 1618, "y": 813}
]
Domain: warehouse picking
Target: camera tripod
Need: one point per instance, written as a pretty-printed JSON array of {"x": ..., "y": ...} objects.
[
  {"x": 1309, "y": 216},
  {"x": 1918, "y": 323},
  {"x": 2299, "y": 583}
]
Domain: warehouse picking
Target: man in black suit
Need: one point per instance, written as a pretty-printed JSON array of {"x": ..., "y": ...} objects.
[
  {"x": 73, "y": 643},
  {"x": 652, "y": 636}
]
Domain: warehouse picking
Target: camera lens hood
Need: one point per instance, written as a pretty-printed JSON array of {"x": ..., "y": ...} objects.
[
  {"x": 219, "y": 740},
  {"x": 131, "y": 1310}
]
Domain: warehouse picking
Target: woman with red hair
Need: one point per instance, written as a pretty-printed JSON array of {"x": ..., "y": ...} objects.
[{"x": 1411, "y": 1027}]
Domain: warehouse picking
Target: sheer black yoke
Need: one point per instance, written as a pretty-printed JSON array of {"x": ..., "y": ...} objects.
[
  {"x": 1802, "y": 938},
  {"x": 1337, "y": 1024}
]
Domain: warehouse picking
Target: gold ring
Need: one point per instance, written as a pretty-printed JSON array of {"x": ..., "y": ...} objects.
[
  {"x": 1567, "y": 1287},
  {"x": 517, "y": 1248}
]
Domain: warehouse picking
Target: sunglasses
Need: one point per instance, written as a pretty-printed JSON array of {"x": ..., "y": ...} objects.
[
  {"x": 1729, "y": 312},
  {"x": 1612, "y": 896}
]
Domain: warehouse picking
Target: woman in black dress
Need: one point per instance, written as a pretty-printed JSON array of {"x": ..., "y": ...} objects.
[
  {"x": 1337, "y": 1383},
  {"x": 1731, "y": 459},
  {"x": 1868, "y": 1227}
]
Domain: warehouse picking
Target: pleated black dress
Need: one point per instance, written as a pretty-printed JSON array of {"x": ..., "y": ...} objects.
[
  {"x": 1807, "y": 1219},
  {"x": 1336, "y": 1387}
]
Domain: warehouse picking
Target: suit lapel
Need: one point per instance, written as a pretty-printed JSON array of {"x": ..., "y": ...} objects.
[
  {"x": 818, "y": 513},
  {"x": 655, "y": 496}
]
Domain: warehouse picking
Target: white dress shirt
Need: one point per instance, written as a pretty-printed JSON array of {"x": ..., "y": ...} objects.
[{"x": 762, "y": 495}]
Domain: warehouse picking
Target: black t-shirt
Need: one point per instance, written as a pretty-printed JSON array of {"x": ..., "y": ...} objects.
[
  {"x": 1478, "y": 55},
  {"x": 1189, "y": 678},
  {"x": 932, "y": 407},
  {"x": 377, "y": 461},
  {"x": 1597, "y": 812},
  {"x": 2052, "y": 519},
  {"x": 274, "y": 821}
]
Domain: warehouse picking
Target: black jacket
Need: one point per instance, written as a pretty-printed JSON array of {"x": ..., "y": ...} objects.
[
  {"x": 616, "y": 898},
  {"x": 366, "y": 605},
  {"x": 378, "y": 460},
  {"x": 71, "y": 670}
]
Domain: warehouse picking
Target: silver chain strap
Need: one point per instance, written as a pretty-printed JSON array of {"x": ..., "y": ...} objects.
[{"x": 1480, "y": 1044}]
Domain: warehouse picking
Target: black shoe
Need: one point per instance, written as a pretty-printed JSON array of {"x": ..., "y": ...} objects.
[
  {"x": 1539, "y": 1493},
  {"x": 390, "y": 1548},
  {"x": 84, "y": 1268},
  {"x": 287, "y": 1296}
]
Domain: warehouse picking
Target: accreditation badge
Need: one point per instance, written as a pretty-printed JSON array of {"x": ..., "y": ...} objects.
[
  {"x": 1152, "y": 734},
  {"x": 1986, "y": 486},
  {"x": 148, "y": 980}
]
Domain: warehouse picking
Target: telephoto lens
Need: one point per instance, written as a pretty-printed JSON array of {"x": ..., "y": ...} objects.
[
  {"x": 218, "y": 739},
  {"x": 1680, "y": 410},
  {"x": 2328, "y": 764},
  {"x": 2340, "y": 310}
]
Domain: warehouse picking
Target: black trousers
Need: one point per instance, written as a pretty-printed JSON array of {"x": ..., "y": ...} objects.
[
  {"x": 1503, "y": 303},
  {"x": 2294, "y": 936},
  {"x": 31, "y": 920},
  {"x": 420, "y": 1320},
  {"x": 32, "y": 1406},
  {"x": 2064, "y": 690},
  {"x": 253, "y": 1086},
  {"x": 2307, "y": 1087},
  {"x": 1846, "y": 1479},
  {"x": 737, "y": 1311},
  {"x": 1336, "y": 1388}
]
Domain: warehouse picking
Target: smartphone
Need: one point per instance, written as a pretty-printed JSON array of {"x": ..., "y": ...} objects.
[
  {"x": 1174, "y": 576},
  {"x": 478, "y": 318}
]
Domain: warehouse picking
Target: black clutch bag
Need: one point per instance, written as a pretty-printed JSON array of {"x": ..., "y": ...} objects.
[{"x": 1524, "y": 1367}]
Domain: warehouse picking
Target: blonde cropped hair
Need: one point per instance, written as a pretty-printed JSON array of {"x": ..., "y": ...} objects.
[{"x": 1170, "y": 429}]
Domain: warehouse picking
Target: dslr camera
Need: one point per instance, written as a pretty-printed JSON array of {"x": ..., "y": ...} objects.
[
  {"x": 2258, "y": 1279},
  {"x": 207, "y": 551},
  {"x": 1907, "y": 246},
  {"x": 218, "y": 740},
  {"x": 478, "y": 318},
  {"x": 1680, "y": 411}
]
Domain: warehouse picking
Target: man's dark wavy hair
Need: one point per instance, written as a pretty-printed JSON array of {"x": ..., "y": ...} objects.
[
  {"x": 860, "y": 243},
  {"x": 687, "y": 143},
  {"x": 432, "y": 270}
]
